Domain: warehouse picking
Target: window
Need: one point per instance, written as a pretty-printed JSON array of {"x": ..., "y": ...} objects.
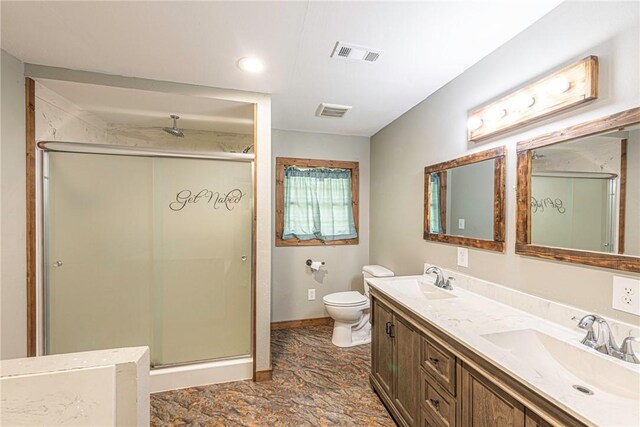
[{"x": 316, "y": 202}]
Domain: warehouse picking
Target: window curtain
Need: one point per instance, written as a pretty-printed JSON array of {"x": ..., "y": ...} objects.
[
  {"x": 435, "y": 223},
  {"x": 317, "y": 204}
]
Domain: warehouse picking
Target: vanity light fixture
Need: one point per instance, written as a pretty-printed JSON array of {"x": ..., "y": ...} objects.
[
  {"x": 250, "y": 65},
  {"x": 568, "y": 87}
]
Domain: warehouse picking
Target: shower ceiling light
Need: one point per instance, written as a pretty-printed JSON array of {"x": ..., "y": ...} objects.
[
  {"x": 250, "y": 65},
  {"x": 573, "y": 85}
]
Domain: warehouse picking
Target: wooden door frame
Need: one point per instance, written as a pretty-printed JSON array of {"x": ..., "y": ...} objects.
[{"x": 30, "y": 147}]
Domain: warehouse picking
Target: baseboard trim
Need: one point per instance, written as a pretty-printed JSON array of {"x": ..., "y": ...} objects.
[
  {"x": 301, "y": 323},
  {"x": 263, "y": 375}
]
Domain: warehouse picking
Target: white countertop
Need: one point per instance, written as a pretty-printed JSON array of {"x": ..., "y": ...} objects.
[{"x": 469, "y": 316}]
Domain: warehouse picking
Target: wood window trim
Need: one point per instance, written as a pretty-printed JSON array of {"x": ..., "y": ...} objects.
[
  {"x": 523, "y": 199},
  {"x": 498, "y": 243},
  {"x": 281, "y": 164}
]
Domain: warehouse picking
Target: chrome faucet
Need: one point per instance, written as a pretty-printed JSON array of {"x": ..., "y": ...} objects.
[
  {"x": 626, "y": 350},
  {"x": 440, "y": 282},
  {"x": 604, "y": 341}
]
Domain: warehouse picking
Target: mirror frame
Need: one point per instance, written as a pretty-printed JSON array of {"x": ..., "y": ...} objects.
[
  {"x": 498, "y": 243},
  {"x": 523, "y": 202}
]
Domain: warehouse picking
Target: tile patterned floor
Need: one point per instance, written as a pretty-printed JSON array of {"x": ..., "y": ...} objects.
[{"x": 314, "y": 384}]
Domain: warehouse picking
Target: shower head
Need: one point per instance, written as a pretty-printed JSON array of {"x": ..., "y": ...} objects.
[{"x": 174, "y": 130}]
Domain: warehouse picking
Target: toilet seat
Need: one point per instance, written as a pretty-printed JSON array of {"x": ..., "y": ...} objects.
[{"x": 345, "y": 299}]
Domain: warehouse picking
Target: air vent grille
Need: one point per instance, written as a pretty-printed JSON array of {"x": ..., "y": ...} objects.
[
  {"x": 372, "y": 56},
  {"x": 332, "y": 110},
  {"x": 353, "y": 52},
  {"x": 344, "y": 51}
]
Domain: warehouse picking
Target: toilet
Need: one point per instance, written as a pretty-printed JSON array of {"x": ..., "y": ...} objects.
[{"x": 350, "y": 311}]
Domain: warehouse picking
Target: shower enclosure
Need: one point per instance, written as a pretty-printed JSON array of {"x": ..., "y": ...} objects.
[{"x": 147, "y": 248}]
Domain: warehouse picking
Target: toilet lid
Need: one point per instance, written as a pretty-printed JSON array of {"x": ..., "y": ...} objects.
[{"x": 345, "y": 299}]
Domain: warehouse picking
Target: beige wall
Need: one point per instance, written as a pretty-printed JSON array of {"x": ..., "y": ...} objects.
[
  {"x": 13, "y": 316},
  {"x": 435, "y": 130},
  {"x": 343, "y": 270}
]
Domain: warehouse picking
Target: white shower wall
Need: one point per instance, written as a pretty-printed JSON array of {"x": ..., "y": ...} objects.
[{"x": 58, "y": 119}]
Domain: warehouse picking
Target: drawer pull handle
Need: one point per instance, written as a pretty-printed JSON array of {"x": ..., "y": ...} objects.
[
  {"x": 435, "y": 403},
  {"x": 434, "y": 360}
]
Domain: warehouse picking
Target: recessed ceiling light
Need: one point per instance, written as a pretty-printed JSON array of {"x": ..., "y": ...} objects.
[{"x": 250, "y": 65}]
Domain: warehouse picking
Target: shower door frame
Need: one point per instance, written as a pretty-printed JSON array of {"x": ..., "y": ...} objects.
[{"x": 43, "y": 148}]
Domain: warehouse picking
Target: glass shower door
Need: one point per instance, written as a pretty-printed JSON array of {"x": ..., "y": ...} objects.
[
  {"x": 202, "y": 260},
  {"x": 98, "y": 252},
  {"x": 148, "y": 251}
]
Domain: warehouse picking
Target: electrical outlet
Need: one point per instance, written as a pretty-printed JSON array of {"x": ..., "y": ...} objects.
[
  {"x": 461, "y": 223},
  {"x": 626, "y": 294},
  {"x": 463, "y": 257},
  {"x": 311, "y": 294}
]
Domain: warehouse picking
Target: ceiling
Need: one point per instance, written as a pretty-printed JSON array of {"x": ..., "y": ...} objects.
[{"x": 424, "y": 44}]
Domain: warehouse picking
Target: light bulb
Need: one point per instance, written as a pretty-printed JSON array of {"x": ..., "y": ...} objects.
[
  {"x": 251, "y": 65},
  {"x": 497, "y": 113},
  {"x": 525, "y": 101},
  {"x": 474, "y": 123},
  {"x": 559, "y": 85}
]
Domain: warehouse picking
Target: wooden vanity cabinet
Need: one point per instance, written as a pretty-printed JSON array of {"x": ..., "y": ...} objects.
[
  {"x": 485, "y": 405},
  {"x": 427, "y": 381},
  {"x": 395, "y": 363}
]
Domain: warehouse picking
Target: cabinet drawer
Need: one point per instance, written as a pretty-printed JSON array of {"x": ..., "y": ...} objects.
[
  {"x": 440, "y": 363},
  {"x": 426, "y": 420},
  {"x": 437, "y": 403}
]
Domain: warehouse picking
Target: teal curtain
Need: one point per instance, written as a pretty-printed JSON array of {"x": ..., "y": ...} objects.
[
  {"x": 435, "y": 222},
  {"x": 317, "y": 204}
]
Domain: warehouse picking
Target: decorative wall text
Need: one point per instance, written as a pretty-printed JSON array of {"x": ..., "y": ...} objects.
[{"x": 227, "y": 200}]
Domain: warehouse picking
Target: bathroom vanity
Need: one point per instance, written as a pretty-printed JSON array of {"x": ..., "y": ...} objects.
[{"x": 454, "y": 358}]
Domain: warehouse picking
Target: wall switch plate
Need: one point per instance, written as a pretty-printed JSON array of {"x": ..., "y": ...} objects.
[
  {"x": 463, "y": 257},
  {"x": 626, "y": 294},
  {"x": 311, "y": 294},
  {"x": 461, "y": 223}
]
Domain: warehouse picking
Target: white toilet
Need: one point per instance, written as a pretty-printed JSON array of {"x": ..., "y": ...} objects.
[{"x": 350, "y": 311}]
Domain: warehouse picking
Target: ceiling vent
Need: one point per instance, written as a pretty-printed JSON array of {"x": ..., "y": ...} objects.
[
  {"x": 332, "y": 110},
  {"x": 353, "y": 52}
]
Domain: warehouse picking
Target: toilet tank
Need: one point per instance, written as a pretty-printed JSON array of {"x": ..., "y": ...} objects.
[{"x": 370, "y": 271}]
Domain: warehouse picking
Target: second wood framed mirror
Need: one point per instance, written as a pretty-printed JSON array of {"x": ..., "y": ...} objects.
[
  {"x": 464, "y": 200},
  {"x": 579, "y": 194}
]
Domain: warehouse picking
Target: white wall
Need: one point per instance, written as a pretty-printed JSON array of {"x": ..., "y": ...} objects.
[
  {"x": 435, "y": 130},
  {"x": 343, "y": 270},
  {"x": 13, "y": 276}
]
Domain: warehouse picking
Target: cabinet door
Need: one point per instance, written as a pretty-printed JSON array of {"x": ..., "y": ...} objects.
[
  {"x": 407, "y": 381},
  {"x": 485, "y": 405},
  {"x": 382, "y": 347},
  {"x": 534, "y": 420}
]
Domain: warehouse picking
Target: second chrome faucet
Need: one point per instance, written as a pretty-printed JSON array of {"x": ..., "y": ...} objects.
[{"x": 604, "y": 341}]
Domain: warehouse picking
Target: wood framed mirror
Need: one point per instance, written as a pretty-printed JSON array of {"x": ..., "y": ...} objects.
[
  {"x": 578, "y": 194},
  {"x": 464, "y": 200}
]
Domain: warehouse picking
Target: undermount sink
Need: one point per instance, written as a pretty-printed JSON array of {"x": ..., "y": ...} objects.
[
  {"x": 422, "y": 289},
  {"x": 578, "y": 370}
]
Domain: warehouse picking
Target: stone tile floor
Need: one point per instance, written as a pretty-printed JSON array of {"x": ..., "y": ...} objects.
[{"x": 314, "y": 384}]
